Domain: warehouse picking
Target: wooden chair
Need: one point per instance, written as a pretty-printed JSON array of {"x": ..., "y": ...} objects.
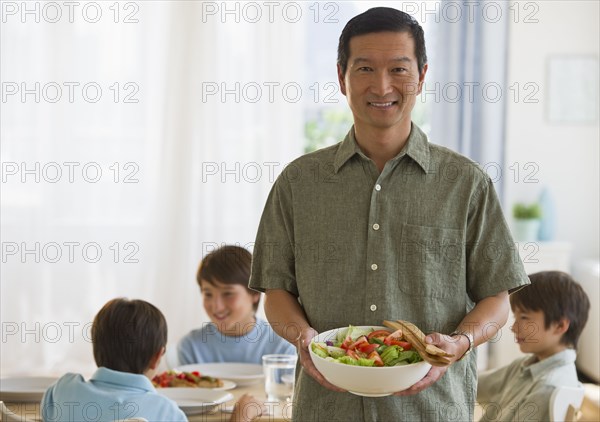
[{"x": 565, "y": 403}]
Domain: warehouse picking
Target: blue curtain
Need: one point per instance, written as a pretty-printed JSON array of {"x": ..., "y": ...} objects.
[{"x": 466, "y": 85}]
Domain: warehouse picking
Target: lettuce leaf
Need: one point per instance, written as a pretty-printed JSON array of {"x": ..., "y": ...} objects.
[{"x": 320, "y": 349}]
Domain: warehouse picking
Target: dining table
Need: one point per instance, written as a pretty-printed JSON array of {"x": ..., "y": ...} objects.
[
  {"x": 276, "y": 411},
  {"x": 283, "y": 411}
]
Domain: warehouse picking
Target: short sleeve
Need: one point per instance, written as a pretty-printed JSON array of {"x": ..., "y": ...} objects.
[
  {"x": 273, "y": 261},
  {"x": 493, "y": 262}
]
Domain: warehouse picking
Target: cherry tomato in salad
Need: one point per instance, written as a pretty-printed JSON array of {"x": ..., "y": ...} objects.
[
  {"x": 346, "y": 343},
  {"x": 367, "y": 347},
  {"x": 359, "y": 341},
  {"x": 352, "y": 354},
  {"x": 394, "y": 339},
  {"x": 374, "y": 356},
  {"x": 390, "y": 341},
  {"x": 378, "y": 334}
]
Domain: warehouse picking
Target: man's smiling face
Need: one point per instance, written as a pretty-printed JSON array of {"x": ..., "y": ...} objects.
[{"x": 382, "y": 79}]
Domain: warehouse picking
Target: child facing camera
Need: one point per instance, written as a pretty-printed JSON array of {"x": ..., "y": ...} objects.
[
  {"x": 234, "y": 334},
  {"x": 129, "y": 338},
  {"x": 549, "y": 317}
]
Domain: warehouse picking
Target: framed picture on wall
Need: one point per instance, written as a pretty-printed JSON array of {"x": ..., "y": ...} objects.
[{"x": 572, "y": 90}]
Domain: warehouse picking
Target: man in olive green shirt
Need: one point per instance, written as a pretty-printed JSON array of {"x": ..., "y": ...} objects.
[{"x": 385, "y": 225}]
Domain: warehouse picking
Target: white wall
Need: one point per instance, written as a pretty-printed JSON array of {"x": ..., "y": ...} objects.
[{"x": 567, "y": 155}]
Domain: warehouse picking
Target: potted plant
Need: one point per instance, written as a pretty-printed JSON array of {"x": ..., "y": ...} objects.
[{"x": 527, "y": 221}]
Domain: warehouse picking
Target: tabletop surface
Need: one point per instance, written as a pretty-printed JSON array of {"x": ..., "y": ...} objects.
[
  {"x": 278, "y": 412},
  {"x": 283, "y": 411}
]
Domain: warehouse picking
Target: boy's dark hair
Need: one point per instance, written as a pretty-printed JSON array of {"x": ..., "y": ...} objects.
[
  {"x": 227, "y": 265},
  {"x": 381, "y": 19},
  {"x": 558, "y": 296},
  {"x": 127, "y": 334}
]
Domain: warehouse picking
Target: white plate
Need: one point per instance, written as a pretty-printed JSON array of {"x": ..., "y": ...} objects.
[
  {"x": 240, "y": 373},
  {"x": 194, "y": 401},
  {"x": 227, "y": 385},
  {"x": 24, "y": 389}
]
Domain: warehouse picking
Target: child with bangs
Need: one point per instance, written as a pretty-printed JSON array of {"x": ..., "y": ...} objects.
[
  {"x": 550, "y": 314},
  {"x": 234, "y": 334}
]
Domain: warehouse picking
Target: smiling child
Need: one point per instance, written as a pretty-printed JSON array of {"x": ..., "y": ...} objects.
[{"x": 234, "y": 334}]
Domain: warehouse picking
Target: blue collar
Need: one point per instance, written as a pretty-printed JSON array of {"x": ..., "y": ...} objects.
[{"x": 123, "y": 379}]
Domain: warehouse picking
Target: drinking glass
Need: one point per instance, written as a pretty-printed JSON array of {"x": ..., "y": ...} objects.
[{"x": 279, "y": 377}]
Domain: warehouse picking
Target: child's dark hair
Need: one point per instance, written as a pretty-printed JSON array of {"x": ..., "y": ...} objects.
[
  {"x": 227, "y": 265},
  {"x": 127, "y": 334},
  {"x": 381, "y": 19},
  {"x": 558, "y": 296}
]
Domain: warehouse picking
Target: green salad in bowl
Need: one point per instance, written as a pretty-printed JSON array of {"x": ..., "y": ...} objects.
[
  {"x": 369, "y": 361},
  {"x": 367, "y": 347}
]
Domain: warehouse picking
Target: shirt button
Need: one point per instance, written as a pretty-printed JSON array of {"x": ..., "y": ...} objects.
[
  {"x": 373, "y": 308},
  {"x": 373, "y": 267},
  {"x": 377, "y": 187},
  {"x": 375, "y": 226}
]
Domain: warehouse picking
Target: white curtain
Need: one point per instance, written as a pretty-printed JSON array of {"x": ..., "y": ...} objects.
[{"x": 119, "y": 186}]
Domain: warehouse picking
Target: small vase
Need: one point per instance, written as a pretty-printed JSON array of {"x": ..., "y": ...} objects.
[
  {"x": 547, "y": 224},
  {"x": 526, "y": 230}
]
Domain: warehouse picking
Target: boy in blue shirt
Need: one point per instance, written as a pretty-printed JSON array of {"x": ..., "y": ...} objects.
[
  {"x": 549, "y": 317},
  {"x": 234, "y": 333},
  {"x": 129, "y": 338}
]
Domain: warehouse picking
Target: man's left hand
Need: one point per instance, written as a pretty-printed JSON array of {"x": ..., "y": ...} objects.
[
  {"x": 434, "y": 374},
  {"x": 455, "y": 345}
]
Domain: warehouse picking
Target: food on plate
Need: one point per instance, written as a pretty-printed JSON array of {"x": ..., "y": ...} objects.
[
  {"x": 361, "y": 346},
  {"x": 185, "y": 379},
  {"x": 373, "y": 380}
]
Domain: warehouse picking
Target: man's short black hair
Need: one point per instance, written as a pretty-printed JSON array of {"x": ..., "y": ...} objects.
[{"x": 381, "y": 19}]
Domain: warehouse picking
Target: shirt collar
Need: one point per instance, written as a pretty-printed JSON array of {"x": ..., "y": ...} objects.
[
  {"x": 122, "y": 379},
  {"x": 416, "y": 148},
  {"x": 539, "y": 368}
]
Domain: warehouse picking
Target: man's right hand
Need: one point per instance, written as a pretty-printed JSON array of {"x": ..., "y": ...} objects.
[{"x": 302, "y": 343}]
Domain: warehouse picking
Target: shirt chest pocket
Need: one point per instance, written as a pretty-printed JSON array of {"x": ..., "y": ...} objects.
[{"x": 430, "y": 261}]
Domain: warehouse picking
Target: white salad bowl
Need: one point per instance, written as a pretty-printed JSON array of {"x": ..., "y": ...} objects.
[{"x": 363, "y": 380}]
